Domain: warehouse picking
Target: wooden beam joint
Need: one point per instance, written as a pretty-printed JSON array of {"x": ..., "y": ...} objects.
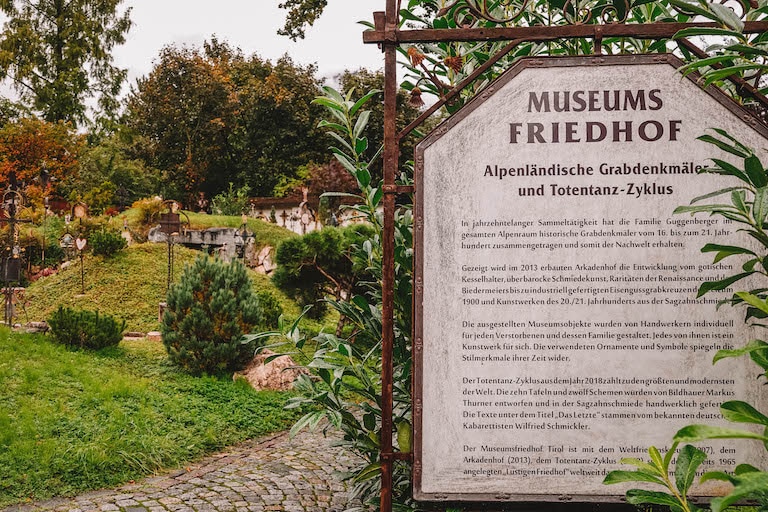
[{"x": 542, "y": 33}]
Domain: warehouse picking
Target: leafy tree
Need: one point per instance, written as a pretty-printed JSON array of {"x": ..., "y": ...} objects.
[
  {"x": 37, "y": 152},
  {"x": 58, "y": 54},
  {"x": 277, "y": 122},
  {"x": 106, "y": 172},
  {"x": 182, "y": 115},
  {"x": 300, "y": 14},
  {"x": 322, "y": 263},
  {"x": 209, "y": 117},
  {"x": 11, "y": 111}
]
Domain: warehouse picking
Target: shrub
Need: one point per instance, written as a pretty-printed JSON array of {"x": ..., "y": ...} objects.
[
  {"x": 85, "y": 329},
  {"x": 106, "y": 243},
  {"x": 207, "y": 313},
  {"x": 148, "y": 209},
  {"x": 270, "y": 309},
  {"x": 231, "y": 202},
  {"x": 322, "y": 263}
]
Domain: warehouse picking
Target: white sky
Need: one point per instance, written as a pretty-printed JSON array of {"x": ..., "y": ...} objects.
[{"x": 335, "y": 42}]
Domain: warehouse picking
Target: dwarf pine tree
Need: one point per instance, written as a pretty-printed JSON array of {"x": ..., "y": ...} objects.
[{"x": 207, "y": 313}]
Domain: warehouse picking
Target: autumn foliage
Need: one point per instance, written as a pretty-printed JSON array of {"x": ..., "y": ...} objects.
[{"x": 37, "y": 151}]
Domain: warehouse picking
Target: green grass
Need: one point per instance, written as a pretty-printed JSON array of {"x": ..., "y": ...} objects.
[
  {"x": 74, "y": 421},
  {"x": 129, "y": 285}
]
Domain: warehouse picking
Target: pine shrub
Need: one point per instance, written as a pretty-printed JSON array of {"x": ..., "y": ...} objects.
[
  {"x": 207, "y": 313},
  {"x": 106, "y": 243},
  {"x": 85, "y": 329}
]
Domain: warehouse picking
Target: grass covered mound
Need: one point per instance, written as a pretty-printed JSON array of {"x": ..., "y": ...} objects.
[
  {"x": 128, "y": 285},
  {"x": 72, "y": 421}
]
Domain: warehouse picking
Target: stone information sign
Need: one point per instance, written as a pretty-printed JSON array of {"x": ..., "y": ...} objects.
[{"x": 558, "y": 328}]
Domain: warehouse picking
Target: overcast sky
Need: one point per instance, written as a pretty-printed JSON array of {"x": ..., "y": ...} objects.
[{"x": 334, "y": 42}]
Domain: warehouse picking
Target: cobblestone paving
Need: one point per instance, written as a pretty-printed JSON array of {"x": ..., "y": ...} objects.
[{"x": 269, "y": 474}]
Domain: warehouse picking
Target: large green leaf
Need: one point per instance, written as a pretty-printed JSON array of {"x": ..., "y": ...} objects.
[
  {"x": 361, "y": 123},
  {"x": 760, "y": 206},
  {"x": 733, "y": 139},
  {"x": 709, "y": 286},
  {"x": 748, "y": 50},
  {"x": 368, "y": 472},
  {"x": 741, "y": 412},
  {"x": 739, "y": 200},
  {"x": 753, "y": 301},
  {"x": 341, "y": 194},
  {"x": 361, "y": 145},
  {"x": 752, "y": 346},
  {"x": 727, "y": 16},
  {"x": 346, "y": 162},
  {"x": 329, "y": 103},
  {"x": 692, "y": 8},
  {"x": 363, "y": 177},
  {"x": 656, "y": 458},
  {"x": 688, "y": 462},
  {"x": 616, "y": 477},
  {"x": 760, "y": 358},
  {"x": 706, "y": 208},
  {"x": 697, "y": 64},
  {"x": 308, "y": 419},
  {"x": 755, "y": 171},
  {"x": 343, "y": 142},
  {"x": 716, "y": 475},
  {"x": 668, "y": 457},
  {"x": 745, "y": 468},
  {"x": 693, "y": 433},
  {"x": 716, "y": 193},
  {"x": 404, "y": 436},
  {"x": 728, "y": 148},
  {"x": 362, "y": 101},
  {"x": 641, "y": 464},
  {"x": 723, "y": 251},
  {"x": 713, "y": 76},
  {"x": 731, "y": 170},
  {"x": 706, "y": 31}
]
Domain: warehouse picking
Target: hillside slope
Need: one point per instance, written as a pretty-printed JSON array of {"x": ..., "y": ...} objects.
[{"x": 128, "y": 285}]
